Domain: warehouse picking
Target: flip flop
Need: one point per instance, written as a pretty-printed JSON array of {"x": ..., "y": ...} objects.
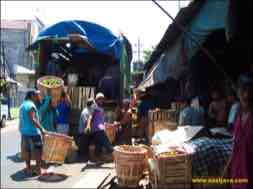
[{"x": 29, "y": 173}]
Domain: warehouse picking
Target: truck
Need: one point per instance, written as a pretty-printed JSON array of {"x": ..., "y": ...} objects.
[{"x": 89, "y": 58}]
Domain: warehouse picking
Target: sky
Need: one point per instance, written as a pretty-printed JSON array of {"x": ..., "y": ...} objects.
[{"x": 141, "y": 20}]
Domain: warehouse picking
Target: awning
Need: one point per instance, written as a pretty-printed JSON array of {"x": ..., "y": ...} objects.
[
  {"x": 172, "y": 62},
  {"x": 10, "y": 80},
  {"x": 23, "y": 70}
]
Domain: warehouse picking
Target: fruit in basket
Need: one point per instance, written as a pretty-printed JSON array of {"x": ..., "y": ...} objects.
[
  {"x": 131, "y": 149},
  {"x": 51, "y": 82}
]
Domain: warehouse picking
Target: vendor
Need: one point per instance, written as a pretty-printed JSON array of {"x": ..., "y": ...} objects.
[
  {"x": 218, "y": 109},
  {"x": 83, "y": 137},
  {"x": 242, "y": 154},
  {"x": 233, "y": 105},
  {"x": 98, "y": 128},
  {"x": 124, "y": 117},
  {"x": 191, "y": 114}
]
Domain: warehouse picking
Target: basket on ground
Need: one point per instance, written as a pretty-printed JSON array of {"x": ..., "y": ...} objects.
[
  {"x": 51, "y": 85},
  {"x": 56, "y": 147},
  {"x": 130, "y": 162}
]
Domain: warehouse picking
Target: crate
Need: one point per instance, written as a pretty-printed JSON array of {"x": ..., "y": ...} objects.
[
  {"x": 161, "y": 119},
  {"x": 80, "y": 95},
  {"x": 172, "y": 171}
]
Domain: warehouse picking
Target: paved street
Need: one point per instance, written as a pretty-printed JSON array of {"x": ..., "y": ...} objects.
[{"x": 78, "y": 175}]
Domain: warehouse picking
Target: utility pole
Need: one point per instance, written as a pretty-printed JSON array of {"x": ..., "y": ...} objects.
[
  {"x": 179, "y": 5},
  {"x": 139, "y": 50}
]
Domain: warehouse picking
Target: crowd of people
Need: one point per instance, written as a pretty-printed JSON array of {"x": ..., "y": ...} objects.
[{"x": 38, "y": 116}]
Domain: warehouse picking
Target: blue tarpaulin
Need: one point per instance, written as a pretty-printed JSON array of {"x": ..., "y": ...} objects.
[{"x": 101, "y": 38}]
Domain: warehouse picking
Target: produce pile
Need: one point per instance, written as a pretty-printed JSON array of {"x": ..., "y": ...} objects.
[
  {"x": 131, "y": 149},
  {"x": 51, "y": 82},
  {"x": 172, "y": 153}
]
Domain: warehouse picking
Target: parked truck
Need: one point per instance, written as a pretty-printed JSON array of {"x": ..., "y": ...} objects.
[{"x": 89, "y": 58}]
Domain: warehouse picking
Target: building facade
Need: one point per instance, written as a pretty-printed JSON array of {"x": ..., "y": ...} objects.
[{"x": 16, "y": 36}]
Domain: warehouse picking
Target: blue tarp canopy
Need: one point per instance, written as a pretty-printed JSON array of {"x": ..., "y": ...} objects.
[{"x": 99, "y": 37}]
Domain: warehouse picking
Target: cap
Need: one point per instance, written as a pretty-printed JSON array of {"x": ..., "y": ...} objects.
[{"x": 100, "y": 95}]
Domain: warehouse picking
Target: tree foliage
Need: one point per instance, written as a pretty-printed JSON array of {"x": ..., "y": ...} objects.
[{"x": 147, "y": 53}]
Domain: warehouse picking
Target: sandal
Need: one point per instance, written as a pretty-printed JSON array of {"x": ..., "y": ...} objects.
[{"x": 28, "y": 172}]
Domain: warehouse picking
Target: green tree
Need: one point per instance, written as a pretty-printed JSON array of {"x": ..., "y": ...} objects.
[{"x": 147, "y": 53}]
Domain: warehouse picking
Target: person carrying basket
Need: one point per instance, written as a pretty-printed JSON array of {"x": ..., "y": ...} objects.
[{"x": 31, "y": 131}]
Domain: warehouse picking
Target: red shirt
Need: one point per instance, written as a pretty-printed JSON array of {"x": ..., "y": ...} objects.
[{"x": 242, "y": 157}]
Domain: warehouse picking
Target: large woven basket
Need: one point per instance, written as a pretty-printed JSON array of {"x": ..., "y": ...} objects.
[
  {"x": 56, "y": 147},
  {"x": 130, "y": 162},
  {"x": 110, "y": 130},
  {"x": 55, "y": 92},
  {"x": 172, "y": 171}
]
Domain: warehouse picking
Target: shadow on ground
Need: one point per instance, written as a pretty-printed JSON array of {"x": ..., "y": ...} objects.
[
  {"x": 15, "y": 158},
  {"x": 20, "y": 176}
]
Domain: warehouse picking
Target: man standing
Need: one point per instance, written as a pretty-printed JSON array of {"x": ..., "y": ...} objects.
[
  {"x": 83, "y": 136},
  {"x": 98, "y": 128},
  {"x": 63, "y": 109},
  {"x": 31, "y": 130}
]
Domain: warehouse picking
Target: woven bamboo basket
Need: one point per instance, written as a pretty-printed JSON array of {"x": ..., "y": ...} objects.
[
  {"x": 56, "y": 147},
  {"x": 54, "y": 91},
  {"x": 110, "y": 130},
  {"x": 171, "y": 171},
  {"x": 130, "y": 162}
]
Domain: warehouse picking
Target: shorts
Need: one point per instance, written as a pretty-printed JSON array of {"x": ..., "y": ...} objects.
[{"x": 32, "y": 144}]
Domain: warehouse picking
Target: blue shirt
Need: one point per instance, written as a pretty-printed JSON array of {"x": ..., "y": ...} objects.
[
  {"x": 26, "y": 126},
  {"x": 191, "y": 116},
  {"x": 63, "y": 113}
]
